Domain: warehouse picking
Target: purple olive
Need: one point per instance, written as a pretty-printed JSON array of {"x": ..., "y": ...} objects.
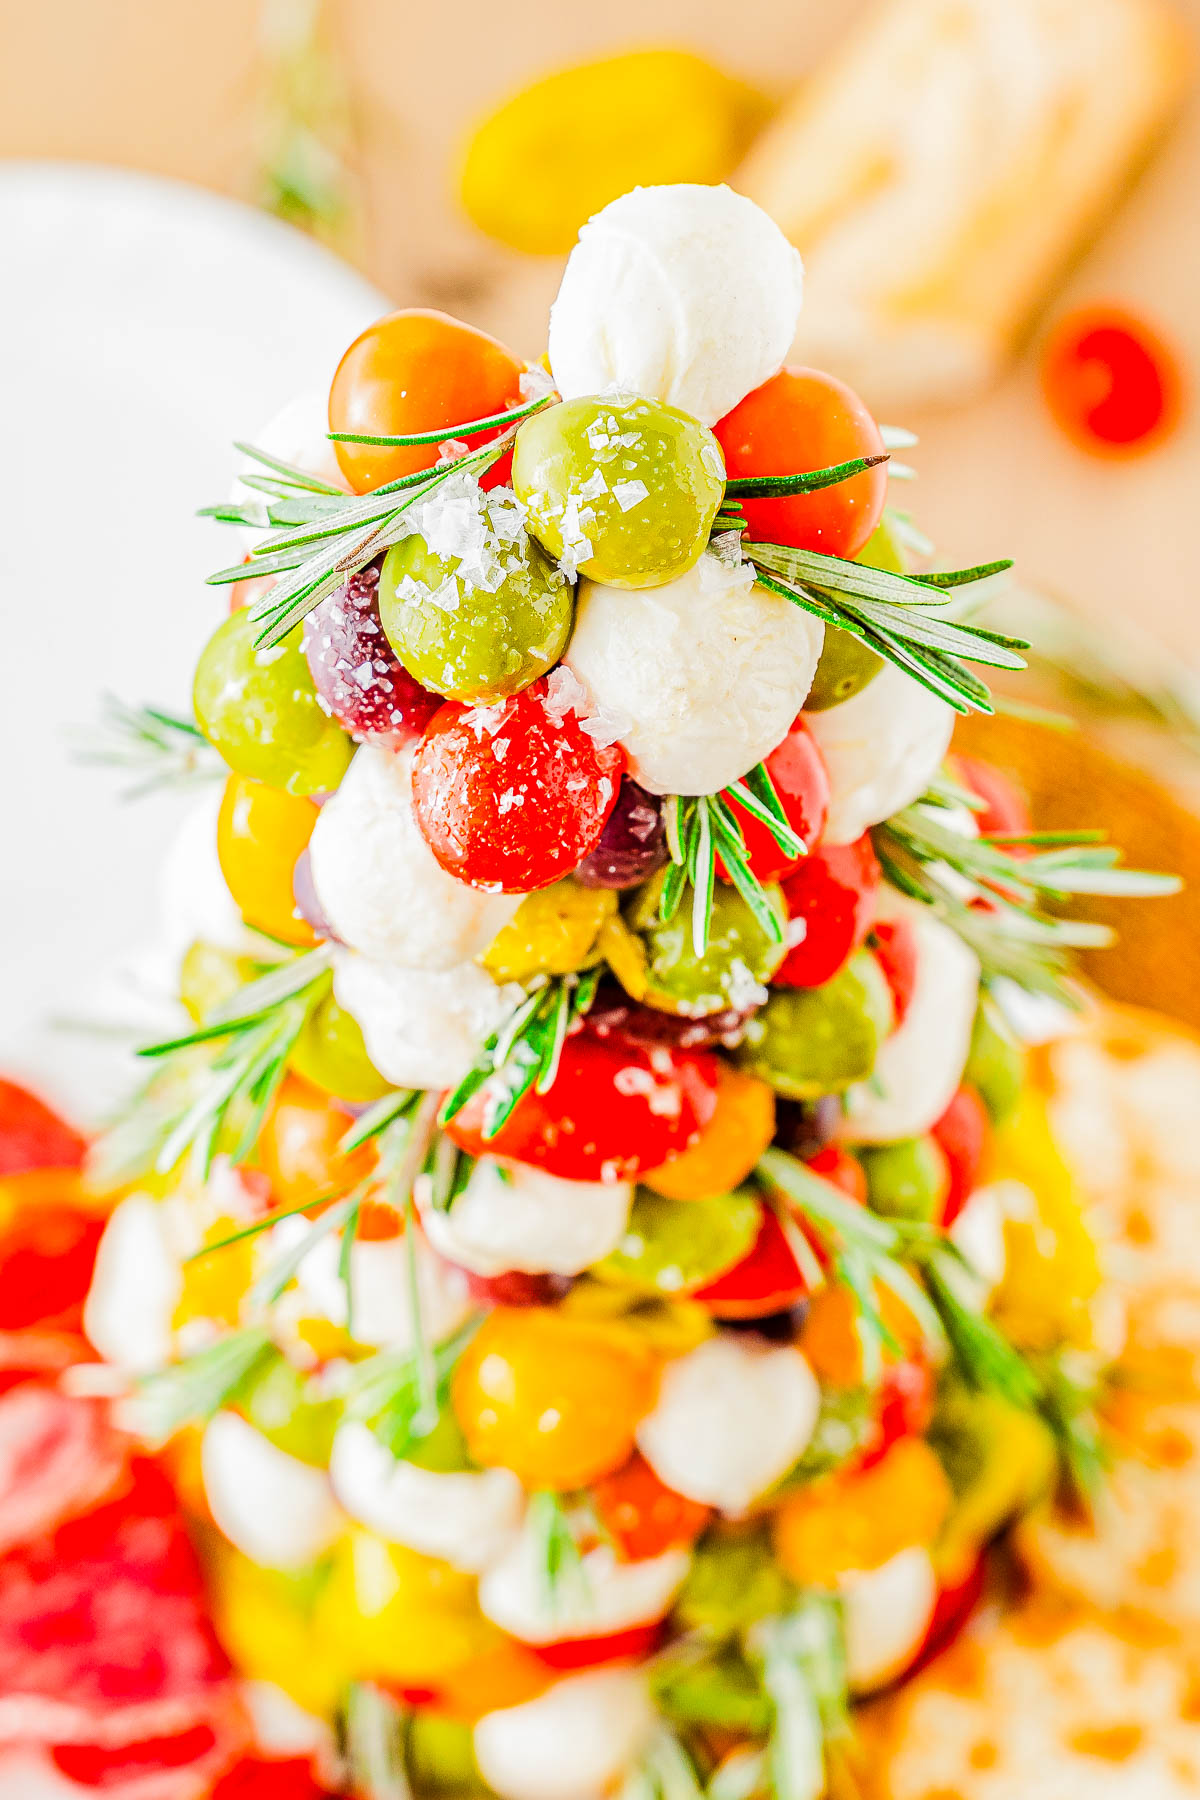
[
  {"x": 804, "y": 1127},
  {"x": 614, "y": 1014},
  {"x": 305, "y": 895},
  {"x": 633, "y": 844}
]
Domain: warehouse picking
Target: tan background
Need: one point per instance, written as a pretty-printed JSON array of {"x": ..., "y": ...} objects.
[{"x": 175, "y": 86}]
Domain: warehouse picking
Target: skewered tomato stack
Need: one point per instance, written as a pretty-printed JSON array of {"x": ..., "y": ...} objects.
[{"x": 565, "y": 1255}]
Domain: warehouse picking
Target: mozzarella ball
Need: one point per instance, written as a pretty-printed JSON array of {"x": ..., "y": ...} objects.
[
  {"x": 574, "y": 1742},
  {"x": 603, "y": 1596},
  {"x": 731, "y": 1418},
  {"x": 881, "y": 750},
  {"x": 193, "y": 899},
  {"x": 701, "y": 678},
  {"x": 379, "y": 1283},
  {"x": 978, "y": 1233},
  {"x": 275, "y": 1509},
  {"x": 423, "y": 1027},
  {"x": 296, "y": 434},
  {"x": 886, "y": 1614},
  {"x": 919, "y": 1067},
  {"x": 136, "y": 1285},
  {"x": 465, "y": 1519},
  {"x": 512, "y": 1217},
  {"x": 378, "y": 882},
  {"x": 686, "y": 294}
]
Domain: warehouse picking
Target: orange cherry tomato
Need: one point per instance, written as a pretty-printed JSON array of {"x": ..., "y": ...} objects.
[
  {"x": 555, "y": 1400},
  {"x": 261, "y": 832},
  {"x": 802, "y": 419},
  {"x": 642, "y": 1515},
  {"x": 830, "y": 1338},
  {"x": 298, "y": 1146},
  {"x": 841, "y": 1170},
  {"x": 245, "y": 593},
  {"x": 861, "y": 1519},
  {"x": 1112, "y": 384},
  {"x": 505, "y": 1675},
  {"x": 414, "y": 371},
  {"x": 728, "y": 1146}
]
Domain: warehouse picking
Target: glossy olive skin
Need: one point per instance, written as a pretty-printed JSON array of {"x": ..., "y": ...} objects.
[
  {"x": 740, "y": 958},
  {"x": 330, "y": 1053},
  {"x": 812, "y": 1041},
  {"x": 484, "y": 645},
  {"x": 276, "y": 1399},
  {"x": 847, "y": 666},
  {"x": 676, "y": 1246},
  {"x": 995, "y": 1064},
  {"x": 259, "y": 708},
  {"x": 905, "y": 1180},
  {"x": 634, "y": 513}
]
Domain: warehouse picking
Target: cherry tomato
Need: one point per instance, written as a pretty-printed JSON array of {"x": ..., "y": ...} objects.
[
  {"x": 555, "y": 1400},
  {"x": 727, "y": 1149},
  {"x": 798, "y": 420},
  {"x": 505, "y": 1674},
  {"x": 955, "y": 1603},
  {"x": 271, "y": 1778},
  {"x": 895, "y": 945},
  {"x": 261, "y": 832},
  {"x": 33, "y": 1137},
  {"x": 1006, "y": 810},
  {"x": 245, "y": 593},
  {"x": 1112, "y": 384},
  {"x": 633, "y": 1644},
  {"x": 860, "y": 1518},
  {"x": 833, "y": 892},
  {"x": 769, "y": 1280},
  {"x": 842, "y": 1170},
  {"x": 516, "y": 1288},
  {"x": 903, "y": 1407},
  {"x": 612, "y": 1111},
  {"x": 642, "y": 1515},
  {"x": 102, "y": 1768},
  {"x": 298, "y": 1146},
  {"x": 964, "y": 1133},
  {"x": 802, "y": 784},
  {"x": 47, "y": 1250},
  {"x": 512, "y": 796},
  {"x": 414, "y": 371}
]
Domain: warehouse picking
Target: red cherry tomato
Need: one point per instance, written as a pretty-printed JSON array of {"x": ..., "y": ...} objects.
[
  {"x": 833, "y": 892},
  {"x": 33, "y": 1137},
  {"x": 1110, "y": 381},
  {"x": 842, "y": 1170},
  {"x": 613, "y": 1111},
  {"x": 768, "y": 1280},
  {"x": 47, "y": 1253},
  {"x": 964, "y": 1133},
  {"x": 633, "y": 1644},
  {"x": 642, "y": 1515},
  {"x": 271, "y": 1778},
  {"x": 1005, "y": 808},
  {"x": 100, "y": 1767},
  {"x": 903, "y": 1407},
  {"x": 512, "y": 796},
  {"x": 416, "y": 370},
  {"x": 955, "y": 1604},
  {"x": 895, "y": 944},
  {"x": 802, "y": 784},
  {"x": 802, "y": 419}
]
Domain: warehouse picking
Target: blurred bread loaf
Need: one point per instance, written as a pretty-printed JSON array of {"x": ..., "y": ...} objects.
[{"x": 939, "y": 171}]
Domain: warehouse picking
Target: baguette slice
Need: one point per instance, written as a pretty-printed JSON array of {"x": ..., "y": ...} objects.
[{"x": 938, "y": 173}]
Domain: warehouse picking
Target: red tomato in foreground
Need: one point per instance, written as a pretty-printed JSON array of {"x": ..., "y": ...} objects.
[
  {"x": 802, "y": 419},
  {"x": 841, "y": 1170},
  {"x": 895, "y": 944},
  {"x": 613, "y": 1111},
  {"x": 833, "y": 892},
  {"x": 768, "y": 1280},
  {"x": 271, "y": 1778},
  {"x": 512, "y": 796},
  {"x": 1005, "y": 809},
  {"x": 413, "y": 371},
  {"x": 642, "y": 1515},
  {"x": 1112, "y": 384},
  {"x": 802, "y": 784},
  {"x": 963, "y": 1133},
  {"x": 631, "y": 1645},
  {"x": 47, "y": 1253},
  {"x": 33, "y": 1137},
  {"x": 101, "y": 1767}
]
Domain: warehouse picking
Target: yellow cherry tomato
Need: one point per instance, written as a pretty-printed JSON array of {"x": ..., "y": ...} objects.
[
  {"x": 557, "y": 152},
  {"x": 729, "y": 1145},
  {"x": 391, "y": 1614},
  {"x": 260, "y": 834},
  {"x": 331, "y": 1054},
  {"x": 862, "y": 1520},
  {"x": 507, "y": 1674},
  {"x": 554, "y": 1399},
  {"x": 552, "y": 932},
  {"x": 269, "y": 1624},
  {"x": 214, "y": 1286},
  {"x": 298, "y": 1147},
  {"x": 1052, "y": 1271}
]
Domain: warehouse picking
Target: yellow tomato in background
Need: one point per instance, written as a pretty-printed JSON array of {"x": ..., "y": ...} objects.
[{"x": 260, "y": 833}]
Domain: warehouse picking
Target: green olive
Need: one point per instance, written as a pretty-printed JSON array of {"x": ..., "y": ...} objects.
[
  {"x": 210, "y": 974},
  {"x": 330, "y": 1053},
  {"x": 482, "y": 637},
  {"x": 995, "y": 1064},
  {"x": 740, "y": 959},
  {"x": 259, "y": 708},
  {"x": 847, "y": 666},
  {"x": 734, "y": 1580},
  {"x": 676, "y": 1246},
  {"x": 624, "y": 487},
  {"x": 443, "y": 1450},
  {"x": 277, "y": 1400},
  {"x": 812, "y": 1041},
  {"x": 905, "y": 1180},
  {"x": 439, "y": 1754}
]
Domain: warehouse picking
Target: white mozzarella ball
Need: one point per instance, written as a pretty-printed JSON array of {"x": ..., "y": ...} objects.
[
  {"x": 978, "y": 1233},
  {"x": 465, "y": 1519},
  {"x": 881, "y": 749},
  {"x": 919, "y": 1067},
  {"x": 700, "y": 678},
  {"x": 574, "y": 1742},
  {"x": 378, "y": 882},
  {"x": 296, "y": 434},
  {"x": 687, "y": 294},
  {"x": 136, "y": 1285},
  {"x": 512, "y": 1217},
  {"x": 603, "y": 1596},
  {"x": 193, "y": 899},
  {"x": 379, "y": 1284},
  {"x": 423, "y": 1027},
  {"x": 731, "y": 1418},
  {"x": 275, "y": 1509},
  {"x": 886, "y": 1613}
]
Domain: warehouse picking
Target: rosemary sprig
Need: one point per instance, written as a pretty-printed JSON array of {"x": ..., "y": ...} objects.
[
  {"x": 375, "y": 1733},
  {"x": 556, "y": 1551},
  {"x": 385, "y": 1390},
  {"x": 701, "y": 826},
  {"x": 160, "y": 748},
  {"x": 1069, "y": 1392},
  {"x": 665, "y": 1771},
  {"x": 755, "y": 487},
  {"x": 525, "y": 1051},
  {"x": 446, "y": 433},
  {"x": 199, "y": 1385},
  {"x": 985, "y": 1358},
  {"x": 376, "y": 1119},
  {"x": 803, "y": 1660}
]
